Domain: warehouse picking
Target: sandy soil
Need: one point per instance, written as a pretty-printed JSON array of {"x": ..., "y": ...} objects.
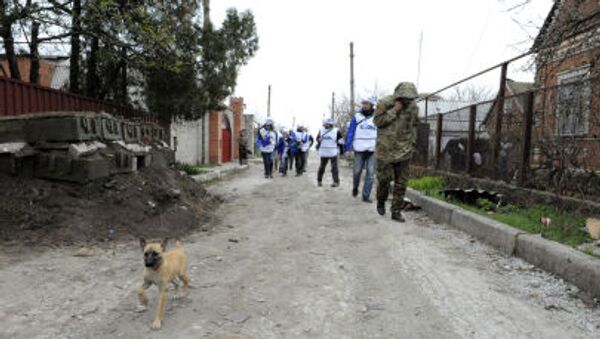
[{"x": 291, "y": 260}]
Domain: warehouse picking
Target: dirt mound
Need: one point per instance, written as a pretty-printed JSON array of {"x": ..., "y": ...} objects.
[{"x": 151, "y": 203}]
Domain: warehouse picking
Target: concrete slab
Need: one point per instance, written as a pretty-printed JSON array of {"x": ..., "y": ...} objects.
[
  {"x": 494, "y": 233},
  {"x": 439, "y": 211},
  {"x": 578, "y": 268},
  {"x": 66, "y": 128}
]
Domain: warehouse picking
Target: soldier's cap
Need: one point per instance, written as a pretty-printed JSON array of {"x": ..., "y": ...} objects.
[{"x": 406, "y": 90}]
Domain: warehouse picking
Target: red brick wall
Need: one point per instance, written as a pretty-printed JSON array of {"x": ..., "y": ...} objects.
[
  {"x": 237, "y": 107},
  {"x": 214, "y": 145},
  {"x": 546, "y": 102},
  {"x": 46, "y": 70}
]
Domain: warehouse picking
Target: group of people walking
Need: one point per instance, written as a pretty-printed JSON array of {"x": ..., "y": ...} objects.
[
  {"x": 381, "y": 138},
  {"x": 287, "y": 147}
]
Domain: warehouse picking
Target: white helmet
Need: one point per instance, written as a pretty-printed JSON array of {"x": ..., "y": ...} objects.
[
  {"x": 268, "y": 121},
  {"x": 328, "y": 121}
]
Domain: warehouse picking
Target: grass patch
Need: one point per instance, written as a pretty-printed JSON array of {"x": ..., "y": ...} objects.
[
  {"x": 431, "y": 186},
  {"x": 566, "y": 228},
  {"x": 189, "y": 169}
]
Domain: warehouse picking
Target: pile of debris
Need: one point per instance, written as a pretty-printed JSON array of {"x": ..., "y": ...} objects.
[
  {"x": 79, "y": 146},
  {"x": 151, "y": 203},
  {"x": 82, "y": 177}
]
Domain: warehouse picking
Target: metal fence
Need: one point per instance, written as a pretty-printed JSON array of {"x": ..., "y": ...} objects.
[
  {"x": 546, "y": 138},
  {"x": 17, "y": 98}
]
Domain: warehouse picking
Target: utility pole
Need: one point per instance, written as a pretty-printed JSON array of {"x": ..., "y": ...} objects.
[
  {"x": 351, "y": 78},
  {"x": 269, "y": 103},
  {"x": 204, "y": 135},
  {"x": 420, "y": 54},
  {"x": 332, "y": 105},
  {"x": 293, "y": 122}
]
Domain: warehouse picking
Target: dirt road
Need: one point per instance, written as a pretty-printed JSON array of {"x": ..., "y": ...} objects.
[{"x": 291, "y": 260}]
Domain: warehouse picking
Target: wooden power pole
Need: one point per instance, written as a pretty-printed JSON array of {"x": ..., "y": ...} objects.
[
  {"x": 351, "y": 78},
  {"x": 333, "y": 105},
  {"x": 269, "y": 103}
]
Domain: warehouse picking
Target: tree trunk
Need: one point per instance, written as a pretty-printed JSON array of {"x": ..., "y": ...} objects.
[
  {"x": 123, "y": 75},
  {"x": 206, "y": 12},
  {"x": 75, "y": 47},
  {"x": 34, "y": 71},
  {"x": 9, "y": 48},
  {"x": 92, "y": 82}
]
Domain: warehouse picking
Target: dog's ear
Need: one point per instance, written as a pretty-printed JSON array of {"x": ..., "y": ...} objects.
[
  {"x": 142, "y": 243},
  {"x": 163, "y": 244}
]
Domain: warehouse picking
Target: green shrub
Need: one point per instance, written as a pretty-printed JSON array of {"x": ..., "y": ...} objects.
[
  {"x": 429, "y": 185},
  {"x": 189, "y": 169}
]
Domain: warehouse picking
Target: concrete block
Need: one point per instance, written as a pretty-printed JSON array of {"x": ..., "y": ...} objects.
[
  {"x": 61, "y": 166},
  {"x": 73, "y": 127},
  {"x": 83, "y": 149},
  {"x": 16, "y": 165},
  {"x": 110, "y": 127},
  {"x": 578, "y": 268},
  {"x": 12, "y": 130},
  {"x": 147, "y": 132},
  {"x": 123, "y": 162},
  {"x": 158, "y": 133},
  {"x": 162, "y": 157},
  {"x": 499, "y": 235},
  {"x": 440, "y": 211},
  {"x": 131, "y": 131}
]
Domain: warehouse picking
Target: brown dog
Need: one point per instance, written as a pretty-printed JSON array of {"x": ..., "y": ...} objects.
[{"x": 162, "y": 268}]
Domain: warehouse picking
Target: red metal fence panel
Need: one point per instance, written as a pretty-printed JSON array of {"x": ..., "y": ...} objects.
[{"x": 17, "y": 98}]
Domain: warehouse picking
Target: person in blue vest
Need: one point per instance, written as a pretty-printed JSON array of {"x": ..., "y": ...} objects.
[
  {"x": 266, "y": 141},
  {"x": 301, "y": 146},
  {"x": 361, "y": 139},
  {"x": 328, "y": 140},
  {"x": 283, "y": 150}
]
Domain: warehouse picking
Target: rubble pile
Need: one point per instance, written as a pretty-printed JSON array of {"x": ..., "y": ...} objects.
[{"x": 79, "y": 146}]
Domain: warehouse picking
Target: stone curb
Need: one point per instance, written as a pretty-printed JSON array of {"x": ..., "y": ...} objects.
[
  {"x": 578, "y": 268},
  {"x": 219, "y": 173}
]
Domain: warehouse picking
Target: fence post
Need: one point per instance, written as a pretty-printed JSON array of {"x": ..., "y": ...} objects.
[
  {"x": 471, "y": 140},
  {"x": 499, "y": 115},
  {"x": 526, "y": 138},
  {"x": 438, "y": 140}
]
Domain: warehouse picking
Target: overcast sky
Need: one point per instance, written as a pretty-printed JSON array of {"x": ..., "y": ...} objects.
[{"x": 304, "y": 48}]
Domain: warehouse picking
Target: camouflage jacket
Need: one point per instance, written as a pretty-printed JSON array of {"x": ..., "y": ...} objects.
[{"x": 396, "y": 131}]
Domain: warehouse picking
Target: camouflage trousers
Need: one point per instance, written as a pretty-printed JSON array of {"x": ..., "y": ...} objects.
[{"x": 398, "y": 173}]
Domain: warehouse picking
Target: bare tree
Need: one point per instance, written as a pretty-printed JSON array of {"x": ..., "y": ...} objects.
[{"x": 471, "y": 93}]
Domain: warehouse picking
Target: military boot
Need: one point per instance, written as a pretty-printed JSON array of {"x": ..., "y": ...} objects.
[
  {"x": 381, "y": 207},
  {"x": 397, "y": 216}
]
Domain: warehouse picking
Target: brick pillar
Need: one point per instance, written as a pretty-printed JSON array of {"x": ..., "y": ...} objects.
[
  {"x": 214, "y": 136},
  {"x": 236, "y": 105}
]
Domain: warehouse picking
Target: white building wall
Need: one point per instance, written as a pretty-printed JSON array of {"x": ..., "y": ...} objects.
[{"x": 186, "y": 138}]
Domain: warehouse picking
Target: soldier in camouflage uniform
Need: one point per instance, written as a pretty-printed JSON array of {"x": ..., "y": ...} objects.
[{"x": 396, "y": 117}]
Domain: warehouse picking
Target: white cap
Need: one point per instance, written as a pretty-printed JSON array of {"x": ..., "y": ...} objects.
[
  {"x": 371, "y": 100},
  {"x": 328, "y": 121}
]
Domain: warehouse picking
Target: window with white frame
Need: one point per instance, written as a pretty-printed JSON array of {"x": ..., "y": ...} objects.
[{"x": 574, "y": 94}]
